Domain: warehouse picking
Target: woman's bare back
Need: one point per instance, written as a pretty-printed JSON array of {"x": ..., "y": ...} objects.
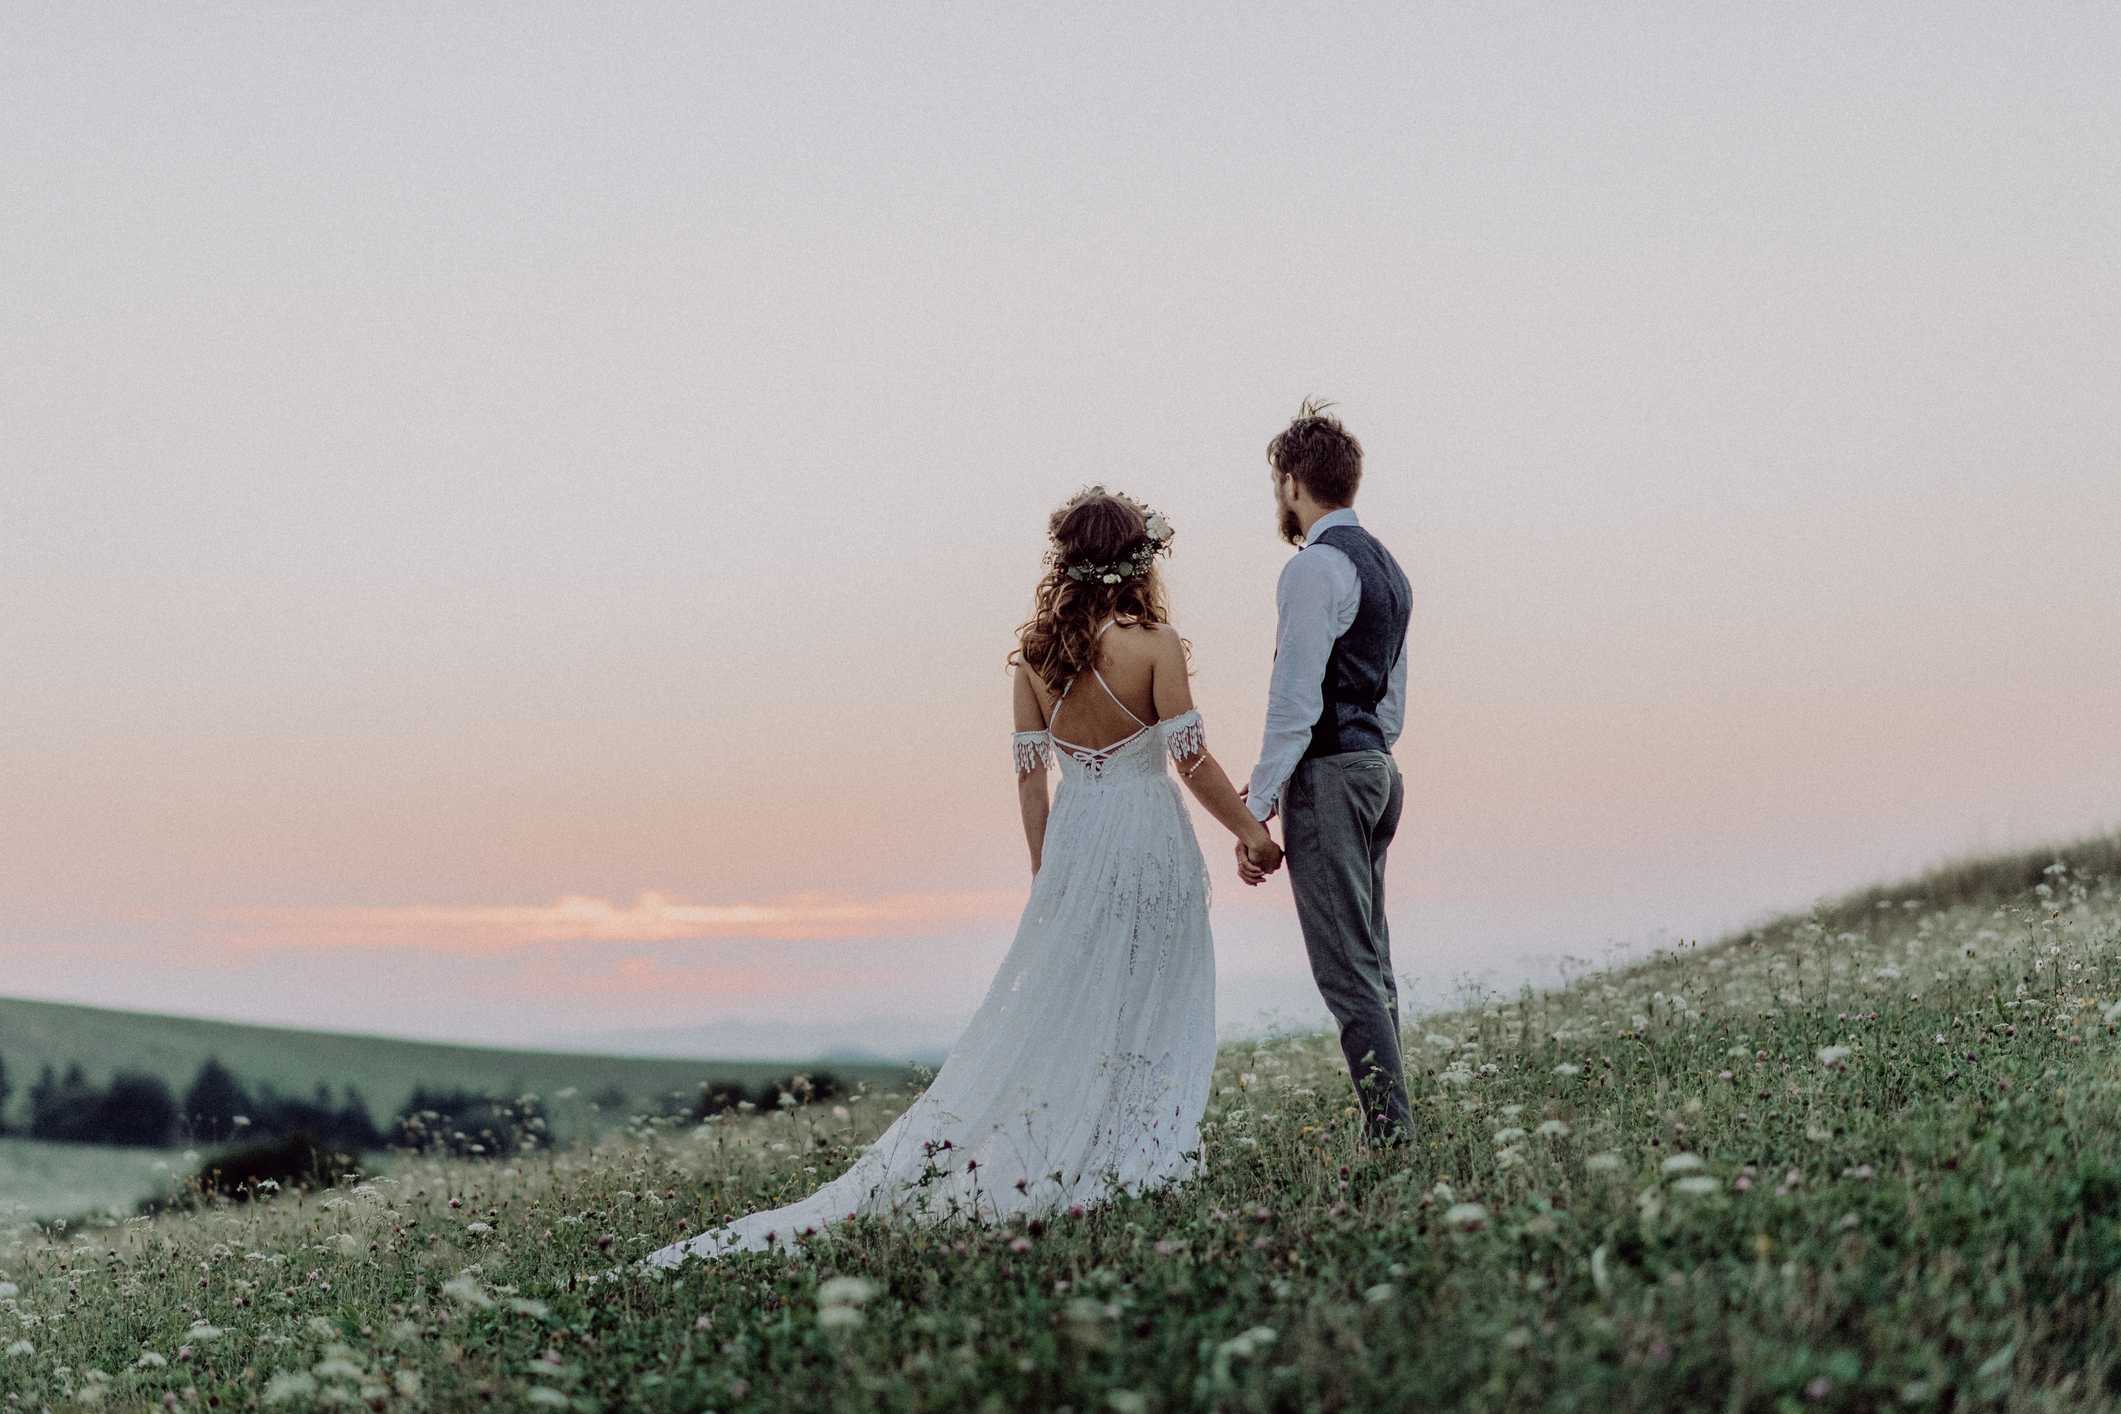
[{"x": 1096, "y": 717}]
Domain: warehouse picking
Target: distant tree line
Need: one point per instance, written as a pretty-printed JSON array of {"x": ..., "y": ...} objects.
[{"x": 140, "y": 1109}]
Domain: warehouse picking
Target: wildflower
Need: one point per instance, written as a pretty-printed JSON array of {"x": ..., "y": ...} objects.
[
  {"x": 1834, "y": 1055},
  {"x": 337, "y": 1364},
  {"x": 1446, "y": 1042},
  {"x": 547, "y": 1396},
  {"x": 1605, "y": 1161},
  {"x": 21, "y": 1347},
  {"x": 478, "y": 1227},
  {"x": 1504, "y": 1136},
  {"x": 1555, "y": 1128},
  {"x": 1466, "y": 1215},
  {"x": 150, "y": 1361},
  {"x": 202, "y": 1331},
  {"x": 466, "y": 1291},
  {"x": 9, "y": 1290},
  {"x": 1681, "y": 1163},
  {"x": 1697, "y": 1183},
  {"x": 1726, "y": 1075},
  {"x": 299, "y": 1384},
  {"x": 845, "y": 1291},
  {"x": 1379, "y": 1294},
  {"x": 524, "y": 1306}
]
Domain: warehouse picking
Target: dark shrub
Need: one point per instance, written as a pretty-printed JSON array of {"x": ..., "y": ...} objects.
[
  {"x": 471, "y": 1126},
  {"x": 296, "y": 1161},
  {"x": 808, "y": 1089},
  {"x": 717, "y": 1096}
]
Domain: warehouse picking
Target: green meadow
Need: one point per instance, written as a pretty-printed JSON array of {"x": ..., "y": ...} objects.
[{"x": 1866, "y": 1158}]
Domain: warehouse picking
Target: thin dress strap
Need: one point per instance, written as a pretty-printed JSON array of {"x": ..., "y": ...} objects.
[
  {"x": 1108, "y": 686},
  {"x": 1094, "y": 759}
]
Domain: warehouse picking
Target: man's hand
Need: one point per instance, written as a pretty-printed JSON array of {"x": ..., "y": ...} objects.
[{"x": 1255, "y": 862}]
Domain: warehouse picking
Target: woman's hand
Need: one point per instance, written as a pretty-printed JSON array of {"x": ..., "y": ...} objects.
[{"x": 1257, "y": 858}]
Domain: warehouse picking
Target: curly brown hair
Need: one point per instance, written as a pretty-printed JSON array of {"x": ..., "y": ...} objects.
[{"x": 1096, "y": 527}]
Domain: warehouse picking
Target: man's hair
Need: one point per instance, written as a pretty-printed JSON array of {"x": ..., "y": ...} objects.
[{"x": 1320, "y": 453}]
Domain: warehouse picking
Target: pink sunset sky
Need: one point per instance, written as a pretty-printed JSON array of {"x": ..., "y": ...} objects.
[{"x": 511, "y": 518}]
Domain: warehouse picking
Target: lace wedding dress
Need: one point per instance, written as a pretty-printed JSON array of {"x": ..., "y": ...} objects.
[{"x": 1086, "y": 1069}]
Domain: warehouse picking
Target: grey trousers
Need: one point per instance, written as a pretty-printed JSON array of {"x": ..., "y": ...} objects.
[{"x": 1339, "y": 814}]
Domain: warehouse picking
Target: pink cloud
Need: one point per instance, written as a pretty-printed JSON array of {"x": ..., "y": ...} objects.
[{"x": 486, "y": 929}]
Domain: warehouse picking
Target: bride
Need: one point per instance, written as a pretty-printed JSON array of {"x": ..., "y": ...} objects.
[{"x": 1086, "y": 1069}]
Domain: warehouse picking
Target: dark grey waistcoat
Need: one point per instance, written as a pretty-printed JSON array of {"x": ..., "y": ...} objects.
[{"x": 1360, "y": 668}]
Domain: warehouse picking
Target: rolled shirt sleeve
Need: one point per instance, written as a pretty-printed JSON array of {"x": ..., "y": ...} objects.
[{"x": 1315, "y": 601}]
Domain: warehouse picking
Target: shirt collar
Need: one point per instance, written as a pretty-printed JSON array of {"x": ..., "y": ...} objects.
[{"x": 1344, "y": 516}]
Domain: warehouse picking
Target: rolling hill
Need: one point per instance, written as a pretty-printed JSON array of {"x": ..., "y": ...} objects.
[{"x": 36, "y": 1034}]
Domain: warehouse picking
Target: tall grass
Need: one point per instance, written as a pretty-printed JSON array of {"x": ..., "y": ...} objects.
[{"x": 1865, "y": 1159}]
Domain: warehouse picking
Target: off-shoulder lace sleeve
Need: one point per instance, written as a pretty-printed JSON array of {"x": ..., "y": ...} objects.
[
  {"x": 1184, "y": 735},
  {"x": 1033, "y": 750}
]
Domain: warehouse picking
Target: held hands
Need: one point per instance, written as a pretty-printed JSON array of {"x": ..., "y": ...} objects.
[{"x": 1255, "y": 861}]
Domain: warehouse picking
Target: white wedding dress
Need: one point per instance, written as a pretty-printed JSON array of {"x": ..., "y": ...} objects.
[{"x": 1086, "y": 1069}]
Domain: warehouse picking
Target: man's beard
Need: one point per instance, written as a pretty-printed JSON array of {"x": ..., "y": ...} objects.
[{"x": 1292, "y": 529}]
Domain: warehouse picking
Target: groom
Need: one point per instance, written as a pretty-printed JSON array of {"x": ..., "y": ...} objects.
[{"x": 1334, "y": 708}]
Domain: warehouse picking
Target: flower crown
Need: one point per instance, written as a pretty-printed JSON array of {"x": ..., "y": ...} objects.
[{"x": 1157, "y": 541}]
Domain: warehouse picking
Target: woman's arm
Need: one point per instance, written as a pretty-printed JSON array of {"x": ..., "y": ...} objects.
[
  {"x": 1031, "y": 785},
  {"x": 1201, "y": 772}
]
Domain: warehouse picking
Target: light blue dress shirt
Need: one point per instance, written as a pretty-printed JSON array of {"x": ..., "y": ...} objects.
[{"x": 1316, "y": 601}]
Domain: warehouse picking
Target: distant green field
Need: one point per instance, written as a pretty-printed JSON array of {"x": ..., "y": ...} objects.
[
  {"x": 36, "y": 1034},
  {"x": 70, "y": 1180}
]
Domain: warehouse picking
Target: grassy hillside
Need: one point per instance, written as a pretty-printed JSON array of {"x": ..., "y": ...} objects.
[
  {"x": 1817, "y": 1167},
  {"x": 35, "y": 1034}
]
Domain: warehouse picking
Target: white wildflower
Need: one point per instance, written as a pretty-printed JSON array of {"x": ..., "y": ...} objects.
[
  {"x": 1698, "y": 1183},
  {"x": 1834, "y": 1055},
  {"x": 1379, "y": 1294},
  {"x": 1466, "y": 1215},
  {"x": 1505, "y": 1136},
  {"x": 1608, "y": 1160},
  {"x": 1557, "y": 1128},
  {"x": 1681, "y": 1163},
  {"x": 150, "y": 1361},
  {"x": 21, "y": 1347},
  {"x": 478, "y": 1227},
  {"x": 299, "y": 1384},
  {"x": 1568, "y": 1068},
  {"x": 524, "y": 1306},
  {"x": 467, "y": 1291},
  {"x": 845, "y": 1291},
  {"x": 337, "y": 1364}
]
